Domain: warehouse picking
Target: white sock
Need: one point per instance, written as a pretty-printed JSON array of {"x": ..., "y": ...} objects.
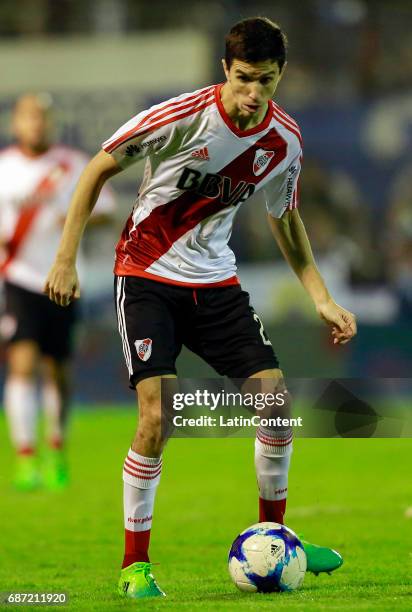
[
  {"x": 52, "y": 408},
  {"x": 21, "y": 403},
  {"x": 141, "y": 476},
  {"x": 273, "y": 451}
]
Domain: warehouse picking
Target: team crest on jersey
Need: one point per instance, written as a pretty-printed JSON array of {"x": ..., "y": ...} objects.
[
  {"x": 262, "y": 158},
  {"x": 144, "y": 348}
]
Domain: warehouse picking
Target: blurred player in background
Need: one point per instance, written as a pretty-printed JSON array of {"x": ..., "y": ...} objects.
[
  {"x": 37, "y": 179},
  {"x": 207, "y": 152}
]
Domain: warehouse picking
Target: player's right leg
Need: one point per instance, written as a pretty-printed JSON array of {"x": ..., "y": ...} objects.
[
  {"x": 20, "y": 330},
  {"x": 141, "y": 477},
  {"x": 20, "y": 402},
  {"x": 147, "y": 314}
]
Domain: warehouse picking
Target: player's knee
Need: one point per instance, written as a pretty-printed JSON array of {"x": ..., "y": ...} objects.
[
  {"x": 273, "y": 374},
  {"x": 272, "y": 401},
  {"x": 150, "y": 413},
  {"x": 265, "y": 381},
  {"x": 149, "y": 395},
  {"x": 149, "y": 402},
  {"x": 22, "y": 358},
  {"x": 55, "y": 372}
]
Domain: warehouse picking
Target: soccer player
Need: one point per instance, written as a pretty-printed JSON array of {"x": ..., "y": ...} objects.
[
  {"x": 37, "y": 179},
  {"x": 175, "y": 276}
]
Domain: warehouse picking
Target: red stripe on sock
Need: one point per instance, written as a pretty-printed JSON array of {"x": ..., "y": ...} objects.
[
  {"x": 272, "y": 510},
  {"x": 144, "y": 465},
  {"x": 136, "y": 546},
  {"x": 138, "y": 471},
  {"x": 274, "y": 441},
  {"x": 138, "y": 475}
]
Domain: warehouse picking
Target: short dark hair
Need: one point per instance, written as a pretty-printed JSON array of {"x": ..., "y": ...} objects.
[{"x": 255, "y": 40}]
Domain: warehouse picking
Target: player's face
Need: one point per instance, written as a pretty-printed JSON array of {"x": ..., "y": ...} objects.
[
  {"x": 252, "y": 85},
  {"x": 31, "y": 124}
]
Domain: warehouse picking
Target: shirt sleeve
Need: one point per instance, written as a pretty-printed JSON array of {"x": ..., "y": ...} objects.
[
  {"x": 146, "y": 134},
  {"x": 282, "y": 192}
]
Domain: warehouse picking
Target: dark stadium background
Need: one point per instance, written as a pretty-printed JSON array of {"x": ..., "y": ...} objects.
[{"x": 347, "y": 84}]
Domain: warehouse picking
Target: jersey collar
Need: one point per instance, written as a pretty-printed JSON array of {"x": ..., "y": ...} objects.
[{"x": 238, "y": 132}]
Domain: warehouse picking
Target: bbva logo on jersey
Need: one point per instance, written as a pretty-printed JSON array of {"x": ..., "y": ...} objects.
[
  {"x": 262, "y": 158},
  {"x": 144, "y": 348},
  {"x": 215, "y": 186}
]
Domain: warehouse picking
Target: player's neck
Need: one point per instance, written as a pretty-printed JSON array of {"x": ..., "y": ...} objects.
[
  {"x": 30, "y": 151},
  {"x": 232, "y": 110}
]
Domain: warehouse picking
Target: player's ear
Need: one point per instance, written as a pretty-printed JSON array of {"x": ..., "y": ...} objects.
[
  {"x": 282, "y": 72},
  {"x": 225, "y": 68}
]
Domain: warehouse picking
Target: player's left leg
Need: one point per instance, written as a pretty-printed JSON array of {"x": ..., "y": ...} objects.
[
  {"x": 55, "y": 399},
  {"x": 56, "y": 342},
  {"x": 55, "y": 404},
  {"x": 273, "y": 449},
  {"x": 231, "y": 338}
]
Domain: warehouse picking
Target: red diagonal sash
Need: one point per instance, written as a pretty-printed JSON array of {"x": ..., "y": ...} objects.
[{"x": 45, "y": 189}]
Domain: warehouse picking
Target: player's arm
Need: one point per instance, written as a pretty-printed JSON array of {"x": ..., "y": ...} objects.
[
  {"x": 95, "y": 221},
  {"x": 62, "y": 284},
  {"x": 290, "y": 234}
]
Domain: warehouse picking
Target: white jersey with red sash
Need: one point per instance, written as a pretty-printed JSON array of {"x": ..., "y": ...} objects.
[
  {"x": 200, "y": 168},
  {"x": 34, "y": 196}
]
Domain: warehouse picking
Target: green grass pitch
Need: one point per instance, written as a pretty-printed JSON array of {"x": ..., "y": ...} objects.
[{"x": 351, "y": 494}]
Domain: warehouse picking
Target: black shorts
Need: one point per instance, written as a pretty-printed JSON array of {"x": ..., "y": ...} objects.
[
  {"x": 218, "y": 324},
  {"x": 32, "y": 316}
]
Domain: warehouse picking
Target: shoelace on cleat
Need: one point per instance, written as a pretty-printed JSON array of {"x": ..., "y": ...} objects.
[{"x": 147, "y": 570}]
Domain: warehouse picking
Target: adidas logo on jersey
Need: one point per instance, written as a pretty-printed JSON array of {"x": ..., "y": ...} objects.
[
  {"x": 262, "y": 158},
  {"x": 201, "y": 154}
]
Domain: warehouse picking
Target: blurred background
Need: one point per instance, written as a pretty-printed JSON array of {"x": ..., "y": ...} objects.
[{"x": 348, "y": 84}]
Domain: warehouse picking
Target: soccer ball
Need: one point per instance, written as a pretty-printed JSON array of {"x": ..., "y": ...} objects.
[{"x": 267, "y": 557}]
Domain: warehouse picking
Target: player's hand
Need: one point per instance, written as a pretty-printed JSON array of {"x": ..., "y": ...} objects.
[
  {"x": 62, "y": 284},
  {"x": 342, "y": 321}
]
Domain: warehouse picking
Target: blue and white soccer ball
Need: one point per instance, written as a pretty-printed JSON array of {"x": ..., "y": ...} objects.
[{"x": 267, "y": 557}]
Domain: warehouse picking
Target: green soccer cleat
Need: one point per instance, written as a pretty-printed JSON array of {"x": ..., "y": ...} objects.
[
  {"x": 55, "y": 472},
  {"x": 137, "y": 581},
  {"x": 320, "y": 558},
  {"x": 27, "y": 477}
]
